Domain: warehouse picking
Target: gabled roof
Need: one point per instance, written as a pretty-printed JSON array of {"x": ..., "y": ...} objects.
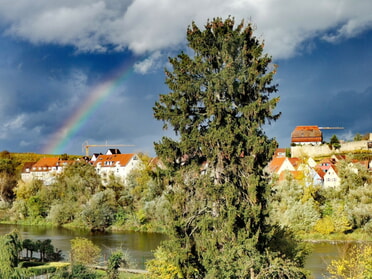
[
  {"x": 320, "y": 172},
  {"x": 334, "y": 168},
  {"x": 112, "y": 160},
  {"x": 364, "y": 163},
  {"x": 27, "y": 165},
  {"x": 307, "y": 134},
  {"x": 338, "y": 157},
  {"x": 276, "y": 163},
  {"x": 294, "y": 161},
  {"x": 46, "y": 162}
]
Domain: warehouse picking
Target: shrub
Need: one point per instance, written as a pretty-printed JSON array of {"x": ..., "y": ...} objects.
[
  {"x": 161, "y": 267},
  {"x": 325, "y": 226},
  {"x": 84, "y": 251}
]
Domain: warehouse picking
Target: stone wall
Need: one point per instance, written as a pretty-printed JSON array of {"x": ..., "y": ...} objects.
[{"x": 324, "y": 150}]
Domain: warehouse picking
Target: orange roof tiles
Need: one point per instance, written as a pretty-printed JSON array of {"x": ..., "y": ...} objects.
[
  {"x": 46, "y": 162},
  {"x": 307, "y": 134},
  {"x": 111, "y": 160},
  {"x": 276, "y": 163},
  {"x": 294, "y": 161}
]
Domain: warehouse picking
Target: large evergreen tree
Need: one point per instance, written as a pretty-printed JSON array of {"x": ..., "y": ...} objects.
[{"x": 219, "y": 101}]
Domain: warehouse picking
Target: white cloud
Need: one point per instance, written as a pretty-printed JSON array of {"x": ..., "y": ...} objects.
[
  {"x": 11, "y": 126},
  {"x": 150, "y": 63},
  {"x": 151, "y": 25}
]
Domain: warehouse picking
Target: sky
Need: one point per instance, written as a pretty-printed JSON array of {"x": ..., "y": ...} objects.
[{"x": 89, "y": 71}]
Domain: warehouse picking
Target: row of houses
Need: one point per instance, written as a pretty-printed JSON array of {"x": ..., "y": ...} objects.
[
  {"x": 324, "y": 173},
  {"x": 111, "y": 163}
]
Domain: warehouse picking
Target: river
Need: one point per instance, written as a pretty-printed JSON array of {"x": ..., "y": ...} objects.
[{"x": 140, "y": 245}]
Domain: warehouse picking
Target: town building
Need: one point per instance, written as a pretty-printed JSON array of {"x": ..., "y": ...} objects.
[
  {"x": 112, "y": 163},
  {"x": 306, "y": 135},
  {"x": 117, "y": 165},
  {"x": 45, "y": 169}
]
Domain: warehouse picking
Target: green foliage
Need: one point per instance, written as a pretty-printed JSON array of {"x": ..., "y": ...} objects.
[
  {"x": 354, "y": 195},
  {"x": 99, "y": 212},
  {"x": 84, "y": 251},
  {"x": 334, "y": 142},
  {"x": 162, "y": 267},
  {"x": 293, "y": 206},
  {"x": 305, "y": 208},
  {"x": 114, "y": 262},
  {"x": 278, "y": 268},
  {"x": 78, "y": 271},
  {"x": 63, "y": 212},
  {"x": 10, "y": 246},
  {"x": 358, "y": 137},
  {"x": 142, "y": 200},
  {"x": 216, "y": 186},
  {"x": 45, "y": 248},
  {"x": 77, "y": 182}
]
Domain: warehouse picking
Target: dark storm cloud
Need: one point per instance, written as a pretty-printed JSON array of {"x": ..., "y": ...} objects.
[{"x": 53, "y": 52}]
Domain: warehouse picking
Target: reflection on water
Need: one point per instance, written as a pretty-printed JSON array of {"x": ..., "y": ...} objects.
[
  {"x": 321, "y": 256},
  {"x": 139, "y": 245}
]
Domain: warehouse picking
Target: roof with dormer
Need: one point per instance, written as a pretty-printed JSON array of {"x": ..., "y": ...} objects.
[
  {"x": 46, "y": 162},
  {"x": 113, "y": 160}
]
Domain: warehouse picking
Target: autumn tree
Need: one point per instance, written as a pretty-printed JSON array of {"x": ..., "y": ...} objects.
[
  {"x": 84, "y": 251},
  {"x": 219, "y": 100}
]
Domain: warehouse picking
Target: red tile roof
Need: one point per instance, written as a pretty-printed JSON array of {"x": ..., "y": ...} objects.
[
  {"x": 294, "y": 161},
  {"x": 307, "y": 134},
  {"x": 46, "y": 162},
  {"x": 276, "y": 163},
  {"x": 122, "y": 159}
]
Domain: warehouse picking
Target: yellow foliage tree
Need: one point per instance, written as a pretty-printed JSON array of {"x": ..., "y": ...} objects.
[
  {"x": 325, "y": 225},
  {"x": 355, "y": 263},
  {"x": 84, "y": 251},
  {"x": 161, "y": 267},
  {"x": 340, "y": 220}
]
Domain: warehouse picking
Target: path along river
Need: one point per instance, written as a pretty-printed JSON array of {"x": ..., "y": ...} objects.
[{"x": 140, "y": 245}]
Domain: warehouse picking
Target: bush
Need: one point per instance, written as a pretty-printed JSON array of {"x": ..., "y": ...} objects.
[
  {"x": 161, "y": 267},
  {"x": 325, "y": 226},
  {"x": 84, "y": 251}
]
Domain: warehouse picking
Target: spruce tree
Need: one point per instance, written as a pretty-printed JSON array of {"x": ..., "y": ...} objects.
[{"x": 219, "y": 100}]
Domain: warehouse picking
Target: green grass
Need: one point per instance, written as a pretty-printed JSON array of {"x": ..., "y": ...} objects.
[{"x": 125, "y": 275}]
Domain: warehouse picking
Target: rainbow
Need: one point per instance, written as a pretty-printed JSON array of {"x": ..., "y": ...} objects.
[{"x": 97, "y": 95}]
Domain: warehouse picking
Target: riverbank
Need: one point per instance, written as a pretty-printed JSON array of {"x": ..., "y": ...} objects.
[
  {"x": 338, "y": 237},
  {"x": 310, "y": 237}
]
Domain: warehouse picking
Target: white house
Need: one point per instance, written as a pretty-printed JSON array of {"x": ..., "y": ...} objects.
[
  {"x": 331, "y": 178},
  {"x": 119, "y": 165},
  {"x": 45, "y": 169}
]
